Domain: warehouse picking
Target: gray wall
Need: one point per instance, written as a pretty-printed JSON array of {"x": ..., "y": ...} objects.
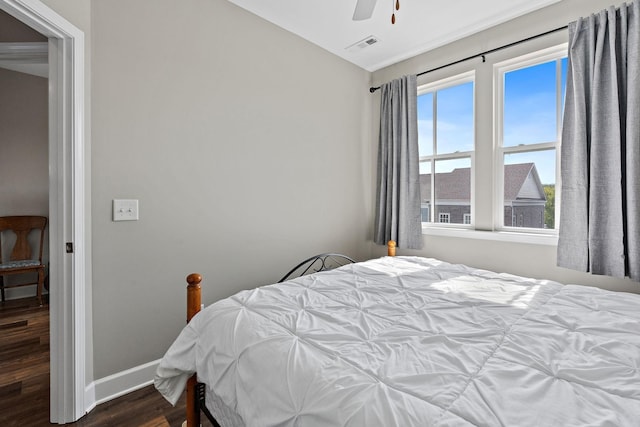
[
  {"x": 244, "y": 145},
  {"x": 518, "y": 258},
  {"x": 24, "y": 167}
]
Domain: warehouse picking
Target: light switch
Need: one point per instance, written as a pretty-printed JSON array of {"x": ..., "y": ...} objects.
[{"x": 125, "y": 210}]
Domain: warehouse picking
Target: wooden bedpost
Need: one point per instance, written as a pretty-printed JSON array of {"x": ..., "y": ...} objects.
[
  {"x": 391, "y": 248},
  {"x": 194, "y": 299}
]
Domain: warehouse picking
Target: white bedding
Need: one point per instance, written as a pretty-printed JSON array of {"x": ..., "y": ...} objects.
[{"x": 409, "y": 341}]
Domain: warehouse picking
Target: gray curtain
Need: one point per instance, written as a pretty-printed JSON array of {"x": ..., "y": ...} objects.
[
  {"x": 398, "y": 197},
  {"x": 600, "y": 209}
]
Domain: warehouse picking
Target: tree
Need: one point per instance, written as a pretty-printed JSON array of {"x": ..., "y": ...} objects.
[{"x": 550, "y": 206}]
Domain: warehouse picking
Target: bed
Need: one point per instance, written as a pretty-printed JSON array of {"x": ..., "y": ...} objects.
[{"x": 410, "y": 341}]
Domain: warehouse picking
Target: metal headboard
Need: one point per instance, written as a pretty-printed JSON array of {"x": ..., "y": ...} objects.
[{"x": 318, "y": 263}]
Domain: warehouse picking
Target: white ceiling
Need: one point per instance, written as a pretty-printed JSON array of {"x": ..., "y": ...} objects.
[{"x": 421, "y": 25}]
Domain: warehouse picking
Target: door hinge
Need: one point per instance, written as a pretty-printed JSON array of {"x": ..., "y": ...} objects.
[{"x": 69, "y": 247}]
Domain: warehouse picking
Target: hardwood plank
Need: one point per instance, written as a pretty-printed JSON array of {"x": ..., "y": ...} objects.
[
  {"x": 156, "y": 422},
  {"x": 24, "y": 363},
  {"x": 9, "y": 390},
  {"x": 16, "y": 324},
  {"x": 24, "y": 379}
]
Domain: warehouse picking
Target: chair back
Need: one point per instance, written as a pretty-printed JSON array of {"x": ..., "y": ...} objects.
[{"x": 22, "y": 226}]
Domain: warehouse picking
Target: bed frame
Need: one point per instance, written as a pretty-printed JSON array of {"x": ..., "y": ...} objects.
[{"x": 196, "y": 391}]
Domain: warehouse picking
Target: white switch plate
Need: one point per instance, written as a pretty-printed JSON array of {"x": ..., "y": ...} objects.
[{"x": 125, "y": 210}]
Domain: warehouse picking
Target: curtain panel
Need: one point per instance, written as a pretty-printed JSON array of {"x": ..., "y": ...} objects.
[
  {"x": 600, "y": 154},
  {"x": 398, "y": 196}
]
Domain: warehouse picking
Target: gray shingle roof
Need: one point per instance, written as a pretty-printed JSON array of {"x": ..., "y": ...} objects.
[{"x": 456, "y": 185}]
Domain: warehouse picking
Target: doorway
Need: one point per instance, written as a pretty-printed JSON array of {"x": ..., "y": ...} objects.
[{"x": 69, "y": 271}]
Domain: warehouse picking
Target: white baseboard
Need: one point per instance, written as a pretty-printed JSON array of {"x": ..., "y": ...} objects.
[
  {"x": 90, "y": 397},
  {"x": 121, "y": 383}
]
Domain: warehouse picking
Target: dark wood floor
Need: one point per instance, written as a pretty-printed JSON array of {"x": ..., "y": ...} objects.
[{"x": 24, "y": 379}]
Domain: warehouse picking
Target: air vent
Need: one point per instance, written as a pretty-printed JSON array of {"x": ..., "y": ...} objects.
[{"x": 362, "y": 44}]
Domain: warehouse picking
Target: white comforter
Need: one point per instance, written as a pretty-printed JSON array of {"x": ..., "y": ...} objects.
[{"x": 410, "y": 341}]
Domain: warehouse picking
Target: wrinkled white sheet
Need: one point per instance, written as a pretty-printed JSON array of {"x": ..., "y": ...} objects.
[{"x": 409, "y": 341}]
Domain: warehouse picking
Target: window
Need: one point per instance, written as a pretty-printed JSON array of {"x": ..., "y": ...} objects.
[
  {"x": 446, "y": 145},
  {"x": 529, "y": 103},
  {"x": 424, "y": 210},
  {"x": 489, "y": 142}
]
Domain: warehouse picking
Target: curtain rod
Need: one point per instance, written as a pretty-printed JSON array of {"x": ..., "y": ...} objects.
[{"x": 486, "y": 52}]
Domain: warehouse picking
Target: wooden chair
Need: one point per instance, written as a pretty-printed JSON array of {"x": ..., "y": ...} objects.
[{"x": 21, "y": 259}]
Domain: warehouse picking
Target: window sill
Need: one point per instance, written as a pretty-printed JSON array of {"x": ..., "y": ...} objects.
[{"x": 549, "y": 239}]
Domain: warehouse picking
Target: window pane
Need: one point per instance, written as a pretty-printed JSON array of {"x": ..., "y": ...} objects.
[
  {"x": 425, "y": 124},
  {"x": 529, "y": 189},
  {"x": 530, "y": 105},
  {"x": 455, "y": 119},
  {"x": 453, "y": 190},
  {"x": 425, "y": 190},
  {"x": 446, "y": 126}
]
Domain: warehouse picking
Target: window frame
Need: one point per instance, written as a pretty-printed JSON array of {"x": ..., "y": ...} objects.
[
  {"x": 554, "y": 53},
  {"x": 434, "y": 87}
]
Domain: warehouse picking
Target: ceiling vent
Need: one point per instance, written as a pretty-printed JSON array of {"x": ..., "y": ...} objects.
[{"x": 364, "y": 43}]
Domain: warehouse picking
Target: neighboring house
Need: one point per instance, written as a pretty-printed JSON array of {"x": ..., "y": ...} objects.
[
  {"x": 453, "y": 192},
  {"x": 524, "y": 197}
]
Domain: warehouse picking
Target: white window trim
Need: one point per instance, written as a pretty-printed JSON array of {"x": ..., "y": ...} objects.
[
  {"x": 528, "y": 237},
  {"x": 445, "y": 215},
  {"x": 447, "y": 82},
  {"x": 499, "y": 69}
]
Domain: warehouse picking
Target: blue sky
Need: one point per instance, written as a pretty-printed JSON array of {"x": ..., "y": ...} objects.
[{"x": 530, "y": 117}]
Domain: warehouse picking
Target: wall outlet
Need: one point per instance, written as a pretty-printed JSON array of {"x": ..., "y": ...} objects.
[{"x": 125, "y": 210}]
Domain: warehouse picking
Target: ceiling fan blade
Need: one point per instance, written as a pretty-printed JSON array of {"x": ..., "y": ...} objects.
[{"x": 364, "y": 10}]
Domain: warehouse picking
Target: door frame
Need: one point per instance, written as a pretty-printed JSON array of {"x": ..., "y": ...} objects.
[{"x": 69, "y": 273}]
